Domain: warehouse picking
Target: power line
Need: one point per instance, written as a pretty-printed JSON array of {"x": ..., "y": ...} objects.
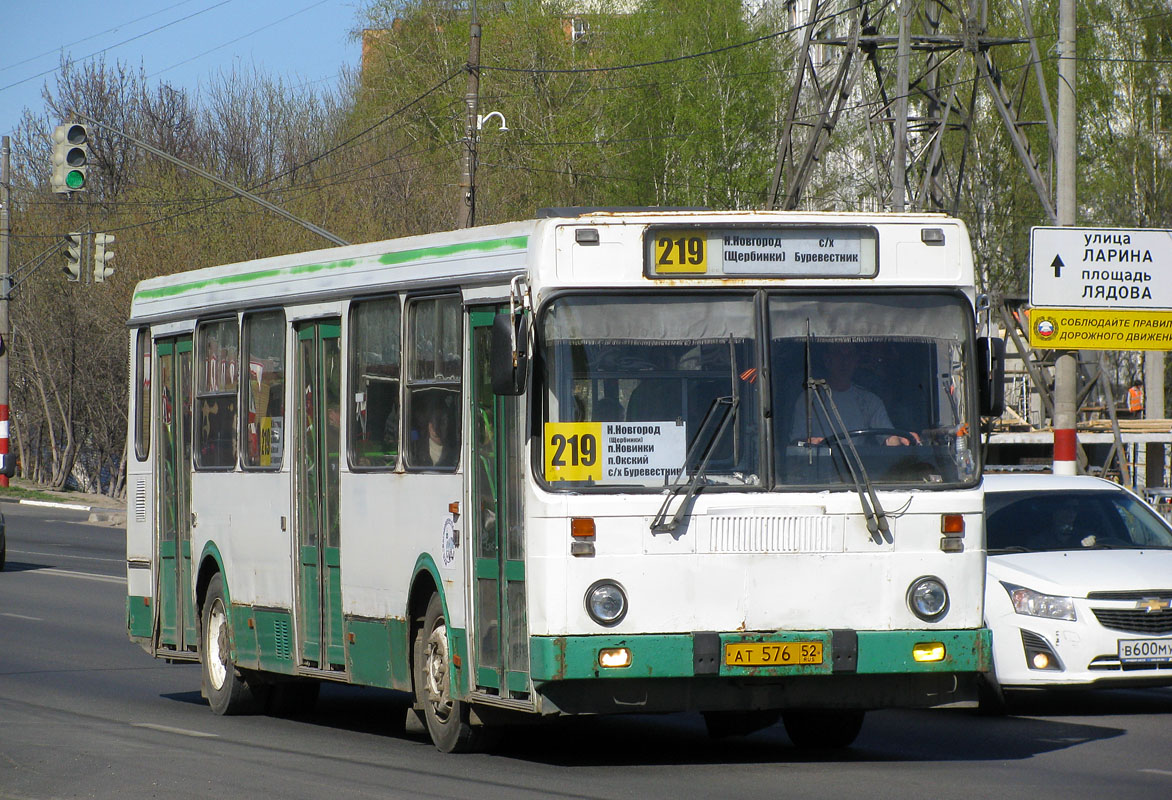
[
  {"x": 119, "y": 44},
  {"x": 238, "y": 38},
  {"x": 94, "y": 35}
]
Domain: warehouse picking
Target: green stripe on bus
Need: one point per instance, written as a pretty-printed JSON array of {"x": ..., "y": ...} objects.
[{"x": 402, "y": 257}]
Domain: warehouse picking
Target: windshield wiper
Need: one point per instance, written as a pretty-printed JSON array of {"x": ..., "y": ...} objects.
[
  {"x": 726, "y": 407},
  {"x": 817, "y": 389},
  {"x": 873, "y": 512}
]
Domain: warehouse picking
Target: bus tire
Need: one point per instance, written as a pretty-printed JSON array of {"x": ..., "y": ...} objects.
[
  {"x": 991, "y": 699},
  {"x": 223, "y": 684},
  {"x": 823, "y": 729},
  {"x": 445, "y": 717}
]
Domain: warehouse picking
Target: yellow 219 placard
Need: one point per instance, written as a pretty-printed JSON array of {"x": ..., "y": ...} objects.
[{"x": 573, "y": 451}]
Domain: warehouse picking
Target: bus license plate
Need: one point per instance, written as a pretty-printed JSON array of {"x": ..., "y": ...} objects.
[
  {"x": 1154, "y": 651},
  {"x": 772, "y": 654}
]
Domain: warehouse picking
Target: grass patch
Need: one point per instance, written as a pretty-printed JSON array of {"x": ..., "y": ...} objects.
[{"x": 21, "y": 493}]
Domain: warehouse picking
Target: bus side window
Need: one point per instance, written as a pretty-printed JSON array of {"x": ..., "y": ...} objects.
[
  {"x": 433, "y": 383},
  {"x": 217, "y": 383},
  {"x": 374, "y": 376},
  {"x": 264, "y": 420},
  {"x": 142, "y": 405}
]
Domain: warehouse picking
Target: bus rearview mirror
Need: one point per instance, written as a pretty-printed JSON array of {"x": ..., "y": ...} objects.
[
  {"x": 508, "y": 359},
  {"x": 991, "y": 368}
]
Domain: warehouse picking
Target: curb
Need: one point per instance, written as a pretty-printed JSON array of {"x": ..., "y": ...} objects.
[
  {"x": 97, "y": 514},
  {"x": 53, "y": 504}
]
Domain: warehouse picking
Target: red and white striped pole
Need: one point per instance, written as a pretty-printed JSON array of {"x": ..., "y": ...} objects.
[
  {"x": 4, "y": 424},
  {"x": 1066, "y": 365}
]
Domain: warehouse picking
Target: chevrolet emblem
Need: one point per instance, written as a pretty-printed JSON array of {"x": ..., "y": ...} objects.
[{"x": 1153, "y": 604}]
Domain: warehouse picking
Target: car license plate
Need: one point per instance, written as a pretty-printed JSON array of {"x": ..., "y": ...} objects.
[
  {"x": 1149, "y": 650},
  {"x": 772, "y": 654}
]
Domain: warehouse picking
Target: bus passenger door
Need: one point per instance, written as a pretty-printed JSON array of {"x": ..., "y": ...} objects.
[
  {"x": 315, "y": 474},
  {"x": 494, "y": 489},
  {"x": 176, "y": 601}
]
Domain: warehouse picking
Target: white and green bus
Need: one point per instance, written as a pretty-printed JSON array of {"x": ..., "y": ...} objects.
[{"x": 595, "y": 462}]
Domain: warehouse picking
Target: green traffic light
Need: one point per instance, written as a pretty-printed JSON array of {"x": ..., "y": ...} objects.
[{"x": 75, "y": 179}]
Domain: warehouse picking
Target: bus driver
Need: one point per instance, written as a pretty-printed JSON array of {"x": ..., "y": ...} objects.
[{"x": 860, "y": 409}]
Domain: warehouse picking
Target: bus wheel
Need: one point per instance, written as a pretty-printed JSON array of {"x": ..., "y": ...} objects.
[
  {"x": 991, "y": 699},
  {"x": 225, "y": 688},
  {"x": 823, "y": 729},
  {"x": 445, "y": 716}
]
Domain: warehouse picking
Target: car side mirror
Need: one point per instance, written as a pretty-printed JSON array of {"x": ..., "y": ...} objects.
[
  {"x": 991, "y": 376},
  {"x": 509, "y": 361}
]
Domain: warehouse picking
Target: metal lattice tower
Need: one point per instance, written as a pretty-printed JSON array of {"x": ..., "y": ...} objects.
[{"x": 902, "y": 82}]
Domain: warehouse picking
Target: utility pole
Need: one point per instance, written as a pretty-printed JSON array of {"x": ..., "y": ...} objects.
[
  {"x": 1066, "y": 364},
  {"x": 466, "y": 207},
  {"x": 5, "y": 340}
]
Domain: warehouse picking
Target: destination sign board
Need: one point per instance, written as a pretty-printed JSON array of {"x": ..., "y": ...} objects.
[
  {"x": 1101, "y": 268},
  {"x": 805, "y": 252}
]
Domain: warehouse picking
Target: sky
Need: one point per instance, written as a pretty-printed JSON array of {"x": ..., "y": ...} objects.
[{"x": 184, "y": 43}]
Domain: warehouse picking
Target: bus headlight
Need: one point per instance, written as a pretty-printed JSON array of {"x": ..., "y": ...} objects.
[
  {"x": 927, "y": 598},
  {"x": 606, "y": 602}
]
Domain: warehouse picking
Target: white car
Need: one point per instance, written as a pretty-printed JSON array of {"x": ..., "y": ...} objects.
[{"x": 1079, "y": 585}]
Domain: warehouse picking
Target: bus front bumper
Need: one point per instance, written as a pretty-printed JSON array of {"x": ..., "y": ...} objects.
[{"x": 709, "y": 671}]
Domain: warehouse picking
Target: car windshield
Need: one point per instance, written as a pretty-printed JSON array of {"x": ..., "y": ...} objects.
[
  {"x": 1047, "y": 521},
  {"x": 645, "y": 391}
]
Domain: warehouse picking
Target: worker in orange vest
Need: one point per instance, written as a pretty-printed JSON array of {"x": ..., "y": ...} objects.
[{"x": 1135, "y": 400}]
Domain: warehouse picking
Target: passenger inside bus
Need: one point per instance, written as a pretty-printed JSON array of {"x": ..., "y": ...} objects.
[
  {"x": 608, "y": 407},
  {"x": 860, "y": 409},
  {"x": 435, "y": 440}
]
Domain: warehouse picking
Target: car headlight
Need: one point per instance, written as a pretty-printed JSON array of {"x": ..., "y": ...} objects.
[
  {"x": 927, "y": 598},
  {"x": 606, "y": 602},
  {"x": 1035, "y": 604}
]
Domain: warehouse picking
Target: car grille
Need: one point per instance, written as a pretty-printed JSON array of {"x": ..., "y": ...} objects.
[
  {"x": 1135, "y": 620},
  {"x": 1142, "y": 594},
  {"x": 1111, "y": 663}
]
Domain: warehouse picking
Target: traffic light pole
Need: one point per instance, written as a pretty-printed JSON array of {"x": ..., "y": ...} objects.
[
  {"x": 5, "y": 223},
  {"x": 219, "y": 181}
]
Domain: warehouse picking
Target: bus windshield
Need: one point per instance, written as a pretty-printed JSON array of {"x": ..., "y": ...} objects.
[
  {"x": 880, "y": 376},
  {"x": 643, "y": 392}
]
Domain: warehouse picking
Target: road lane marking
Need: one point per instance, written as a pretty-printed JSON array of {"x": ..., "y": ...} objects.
[
  {"x": 1157, "y": 771},
  {"x": 176, "y": 731},
  {"x": 89, "y": 576},
  {"x": 21, "y": 616},
  {"x": 65, "y": 555}
]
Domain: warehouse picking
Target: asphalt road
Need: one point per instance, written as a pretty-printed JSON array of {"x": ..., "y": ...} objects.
[{"x": 86, "y": 714}]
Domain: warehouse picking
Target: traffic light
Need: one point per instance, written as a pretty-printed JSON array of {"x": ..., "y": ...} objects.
[
  {"x": 71, "y": 155},
  {"x": 73, "y": 256},
  {"x": 102, "y": 256}
]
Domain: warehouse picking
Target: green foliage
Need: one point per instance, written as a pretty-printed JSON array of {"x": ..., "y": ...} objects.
[
  {"x": 608, "y": 103},
  {"x": 583, "y": 128}
]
